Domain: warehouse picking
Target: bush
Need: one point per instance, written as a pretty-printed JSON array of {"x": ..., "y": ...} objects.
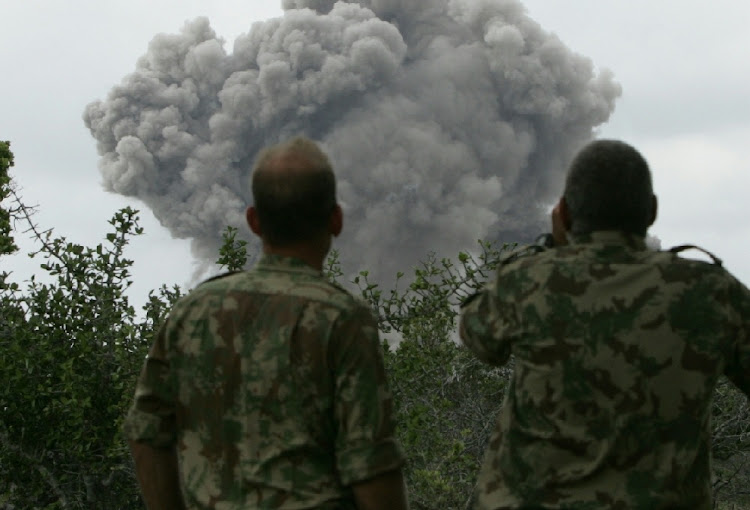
[{"x": 71, "y": 350}]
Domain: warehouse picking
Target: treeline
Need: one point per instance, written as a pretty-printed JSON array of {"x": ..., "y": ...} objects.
[{"x": 72, "y": 346}]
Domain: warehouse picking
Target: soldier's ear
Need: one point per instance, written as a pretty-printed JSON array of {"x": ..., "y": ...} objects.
[
  {"x": 565, "y": 214},
  {"x": 253, "y": 222},
  {"x": 336, "y": 223},
  {"x": 654, "y": 209}
]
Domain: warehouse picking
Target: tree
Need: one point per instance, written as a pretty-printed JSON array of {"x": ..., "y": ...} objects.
[
  {"x": 71, "y": 350},
  {"x": 445, "y": 399},
  {"x": 731, "y": 445},
  {"x": 7, "y": 245},
  {"x": 233, "y": 251}
]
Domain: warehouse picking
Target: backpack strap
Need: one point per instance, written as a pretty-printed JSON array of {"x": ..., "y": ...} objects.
[
  {"x": 219, "y": 277},
  {"x": 683, "y": 247},
  {"x": 523, "y": 251}
]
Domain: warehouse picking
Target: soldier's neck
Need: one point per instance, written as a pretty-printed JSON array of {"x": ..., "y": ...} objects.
[{"x": 312, "y": 255}]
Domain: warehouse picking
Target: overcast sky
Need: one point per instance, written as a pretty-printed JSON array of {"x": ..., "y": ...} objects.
[{"x": 683, "y": 67}]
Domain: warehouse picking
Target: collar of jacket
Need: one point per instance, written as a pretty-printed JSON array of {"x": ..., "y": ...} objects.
[
  {"x": 271, "y": 262},
  {"x": 611, "y": 237}
]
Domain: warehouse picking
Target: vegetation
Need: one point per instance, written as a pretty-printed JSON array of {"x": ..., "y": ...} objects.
[
  {"x": 71, "y": 349},
  {"x": 72, "y": 346},
  {"x": 6, "y": 161}
]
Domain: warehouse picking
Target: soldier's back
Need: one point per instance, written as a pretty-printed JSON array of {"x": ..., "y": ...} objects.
[
  {"x": 615, "y": 364},
  {"x": 252, "y": 356}
]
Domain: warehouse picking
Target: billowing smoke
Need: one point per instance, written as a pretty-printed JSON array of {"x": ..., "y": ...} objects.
[{"x": 447, "y": 121}]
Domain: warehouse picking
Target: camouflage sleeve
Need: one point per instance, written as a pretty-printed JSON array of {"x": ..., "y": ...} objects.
[
  {"x": 363, "y": 407},
  {"x": 738, "y": 364},
  {"x": 484, "y": 326},
  {"x": 151, "y": 418}
]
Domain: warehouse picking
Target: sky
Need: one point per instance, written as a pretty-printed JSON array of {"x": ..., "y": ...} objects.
[{"x": 682, "y": 66}]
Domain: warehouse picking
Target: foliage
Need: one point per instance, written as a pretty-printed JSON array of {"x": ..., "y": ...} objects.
[
  {"x": 445, "y": 399},
  {"x": 233, "y": 251},
  {"x": 6, "y": 161},
  {"x": 446, "y": 402},
  {"x": 71, "y": 349},
  {"x": 731, "y": 445},
  {"x": 426, "y": 310}
]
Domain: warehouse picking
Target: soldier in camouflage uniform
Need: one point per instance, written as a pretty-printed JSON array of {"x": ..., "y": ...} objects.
[
  {"x": 617, "y": 350},
  {"x": 266, "y": 389}
]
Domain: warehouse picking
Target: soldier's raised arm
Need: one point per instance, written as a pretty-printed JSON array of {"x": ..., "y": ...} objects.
[{"x": 738, "y": 362}]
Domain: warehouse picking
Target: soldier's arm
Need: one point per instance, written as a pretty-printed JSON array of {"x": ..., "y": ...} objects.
[
  {"x": 738, "y": 364},
  {"x": 560, "y": 218},
  {"x": 158, "y": 477},
  {"x": 383, "y": 492},
  {"x": 150, "y": 429},
  {"x": 483, "y": 327},
  {"x": 368, "y": 457}
]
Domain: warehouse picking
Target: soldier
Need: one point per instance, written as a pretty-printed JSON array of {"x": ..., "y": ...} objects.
[
  {"x": 266, "y": 389},
  {"x": 617, "y": 351}
]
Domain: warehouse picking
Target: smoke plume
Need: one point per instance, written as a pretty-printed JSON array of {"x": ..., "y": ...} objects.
[{"x": 447, "y": 121}]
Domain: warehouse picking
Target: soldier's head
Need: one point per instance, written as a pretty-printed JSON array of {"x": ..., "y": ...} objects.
[
  {"x": 294, "y": 194},
  {"x": 608, "y": 187}
]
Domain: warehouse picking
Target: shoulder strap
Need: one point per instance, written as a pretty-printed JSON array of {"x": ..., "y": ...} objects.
[
  {"x": 531, "y": 249},
  {"x": 219, "y": 276},
  {"x": 545, "y": 240},
  {"x": 683, "y": 247}
]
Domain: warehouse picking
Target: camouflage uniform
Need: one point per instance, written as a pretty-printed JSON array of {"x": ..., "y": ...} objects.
[
  {"x": 271, "y": 385},
  {"x": 617, "y": 350}
]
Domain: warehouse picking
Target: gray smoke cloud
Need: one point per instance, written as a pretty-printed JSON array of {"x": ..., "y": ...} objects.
[{"x": 447, "y": 121}]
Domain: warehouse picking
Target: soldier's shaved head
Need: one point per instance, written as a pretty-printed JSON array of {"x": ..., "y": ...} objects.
[
  {"x": 294, "y": 190},
  {"x": 608, "y": 187}
]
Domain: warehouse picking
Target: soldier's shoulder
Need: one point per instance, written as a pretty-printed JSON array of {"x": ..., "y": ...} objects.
[
  {"x": 219, "y": 277},
  {"x": 337, "y": 287},
  {"x": 317, "y": 290},
  {"x": 690, "y": 260},
  {"x": 209, "y": 288},
  {"x": 691, "y": 265},
  {"x": 686, "y": 251},
  {"x": 523, "y": 252},
  {"x": 217, "y": 284},
  {"x": 341, "y": 297}
]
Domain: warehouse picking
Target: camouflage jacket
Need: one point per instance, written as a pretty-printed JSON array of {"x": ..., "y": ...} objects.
[
  {"x": 617, "y": 350},
  {"x": 270, "y": 383}
]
